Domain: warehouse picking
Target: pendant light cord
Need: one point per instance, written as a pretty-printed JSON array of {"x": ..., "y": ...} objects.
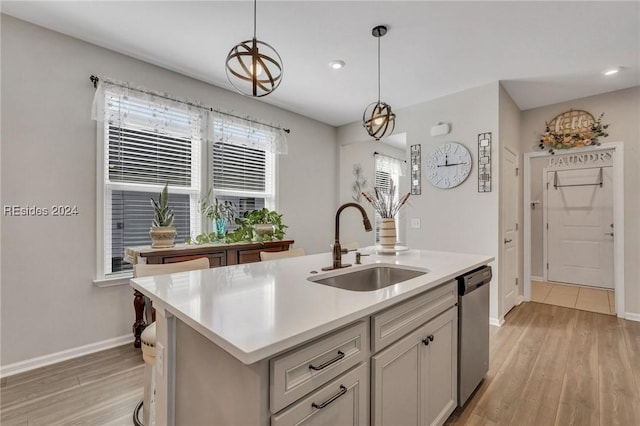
[
  {"x": 378, "y": 69},
  {"x": 254, "y": 17}
]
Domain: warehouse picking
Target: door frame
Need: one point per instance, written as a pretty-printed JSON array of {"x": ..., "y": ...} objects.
[{"x": 618, "y": 218}]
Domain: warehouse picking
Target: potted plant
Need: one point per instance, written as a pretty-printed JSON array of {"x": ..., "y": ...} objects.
[
  {"x": 162, "y": 232},
  {"x": 220, "y": 213},
  {"x": 259, "y": 225},
  {"x": 387, "y": 207}
]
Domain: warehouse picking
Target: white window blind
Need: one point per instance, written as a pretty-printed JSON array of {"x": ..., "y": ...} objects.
[
  {"x": 147, "y": 144},
  {"x": 243, "y": 165}
]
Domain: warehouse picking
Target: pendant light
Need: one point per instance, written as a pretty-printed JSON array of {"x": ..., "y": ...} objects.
[
  {"x": 378, "y": 118},
  {"x": 254, "y": 55}
]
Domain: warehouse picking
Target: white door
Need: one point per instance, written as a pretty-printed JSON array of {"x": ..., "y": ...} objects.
[
  {"x": 509, "y": 207},
  {"x": 580, "y": 226}
]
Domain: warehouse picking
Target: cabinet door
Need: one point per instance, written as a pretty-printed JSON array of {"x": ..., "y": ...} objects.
[
  {"x": 341, "y": 402},
  {"x": 414, "y": 381},
  {"x": 397, "y": 383},
  {"x": 441, "y": 367}
]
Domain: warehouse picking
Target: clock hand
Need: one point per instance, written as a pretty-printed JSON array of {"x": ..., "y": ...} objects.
[{"x": 452, "y": 164}]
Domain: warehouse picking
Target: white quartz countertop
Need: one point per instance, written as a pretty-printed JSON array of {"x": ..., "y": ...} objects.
[{"x": 256, "y": 310}]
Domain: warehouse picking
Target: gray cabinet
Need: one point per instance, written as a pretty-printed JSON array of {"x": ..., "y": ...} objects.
[{"x": 413, "y": 381}]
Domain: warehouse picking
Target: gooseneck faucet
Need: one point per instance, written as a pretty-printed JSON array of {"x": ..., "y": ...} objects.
[{"x": 337, "y": 250}]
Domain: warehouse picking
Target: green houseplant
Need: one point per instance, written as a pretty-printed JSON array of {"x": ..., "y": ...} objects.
[
  {"x": 259, "y": 225},
  {"x": 220, "y": 213},
  {"x": 162, "y": 232}
]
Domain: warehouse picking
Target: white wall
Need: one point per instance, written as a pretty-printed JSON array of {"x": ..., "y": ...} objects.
[
  {"x": 49, "y": 303},
  {"x": 459, "y": 219},
  {"x": 351, "y": 228},
  {"x": 621, "y": 110}
]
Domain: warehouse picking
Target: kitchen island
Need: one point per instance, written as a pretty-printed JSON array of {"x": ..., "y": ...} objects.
[{"x": 231, "y": 340}]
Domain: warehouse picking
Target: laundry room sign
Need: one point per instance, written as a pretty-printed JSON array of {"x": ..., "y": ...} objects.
[{"x": 581, "y": 160}]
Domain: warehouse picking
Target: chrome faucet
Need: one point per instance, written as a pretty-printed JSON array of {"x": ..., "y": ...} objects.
[{"x": 337, "y": 250}]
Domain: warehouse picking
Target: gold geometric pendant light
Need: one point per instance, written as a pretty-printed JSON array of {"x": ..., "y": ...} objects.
[
  {"x": 378, "y": 118},
  {"x": 250, "y": 55}
]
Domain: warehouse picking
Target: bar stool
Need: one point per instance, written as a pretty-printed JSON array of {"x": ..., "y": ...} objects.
[{"x": 148, "y": 337}]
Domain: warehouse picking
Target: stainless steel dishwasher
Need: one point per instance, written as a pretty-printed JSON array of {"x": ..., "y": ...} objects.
[{"x": 473, "y": 330}]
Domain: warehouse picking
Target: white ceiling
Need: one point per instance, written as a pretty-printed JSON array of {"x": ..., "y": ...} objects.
[{"x": 544, "y": 52}]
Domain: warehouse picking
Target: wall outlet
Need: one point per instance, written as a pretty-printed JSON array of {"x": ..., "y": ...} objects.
[
  {"x": 415, "y": 223},
  {"x": 159, "y": 359}
]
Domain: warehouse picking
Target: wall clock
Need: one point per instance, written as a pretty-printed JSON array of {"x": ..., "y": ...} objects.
[{"x": 448, "y": 165}]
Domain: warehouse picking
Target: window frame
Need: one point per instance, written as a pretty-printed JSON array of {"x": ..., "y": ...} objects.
[{"x": 105, "y": 188}]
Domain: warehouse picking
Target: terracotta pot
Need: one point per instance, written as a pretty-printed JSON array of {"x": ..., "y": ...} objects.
[{"x": 162, "y": 236}]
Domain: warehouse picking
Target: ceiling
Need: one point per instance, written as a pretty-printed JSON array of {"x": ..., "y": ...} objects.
[{"x": 543, "y": 52}]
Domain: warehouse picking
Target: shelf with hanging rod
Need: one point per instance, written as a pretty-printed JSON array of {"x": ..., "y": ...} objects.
[{"x": 557, "y": 185}]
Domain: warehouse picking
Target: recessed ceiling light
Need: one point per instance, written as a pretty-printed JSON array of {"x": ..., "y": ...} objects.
[
  {"x": 611, "y": 71},
  {"x": 337, "y": 64}
]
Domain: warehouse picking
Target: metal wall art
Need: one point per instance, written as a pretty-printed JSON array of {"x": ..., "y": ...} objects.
[
  {"x": 484, "y": 162},
  {"x": 416, "y": 172}
]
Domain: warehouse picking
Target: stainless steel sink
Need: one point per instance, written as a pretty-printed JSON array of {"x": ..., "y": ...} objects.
[{"x": 368, "y": 279}]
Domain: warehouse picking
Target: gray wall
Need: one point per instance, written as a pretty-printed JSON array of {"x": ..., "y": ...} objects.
[
  {"x": 621, "y": 109},
  {"x": 458, "y": 219},
  {"x": 49, "y": 303}
]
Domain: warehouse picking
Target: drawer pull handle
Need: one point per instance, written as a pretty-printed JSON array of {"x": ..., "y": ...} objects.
[
  {"x": 342, "y": 391},
  {"x": 328, "y": 363}
]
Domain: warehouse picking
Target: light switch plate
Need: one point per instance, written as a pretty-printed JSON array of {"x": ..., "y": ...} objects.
[{"x": 415, "y": 223}]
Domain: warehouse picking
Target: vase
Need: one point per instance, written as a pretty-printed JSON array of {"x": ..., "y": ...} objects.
[
  {"x": 263, "y": 231},
  {"x": 221, "y": 227},
  {"x": 387, "y": 233},
  {"x": 162, "y": 236}
]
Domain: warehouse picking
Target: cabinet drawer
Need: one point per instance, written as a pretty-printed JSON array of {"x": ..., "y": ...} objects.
[
  {"x": 343, "y": 401},
  {"x": 397, "y": 321},
  {"x": 298, "y": 372}
]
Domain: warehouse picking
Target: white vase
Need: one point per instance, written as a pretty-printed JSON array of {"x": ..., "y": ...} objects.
[
  {"x": 387, "y": 233},
  {"x": 162, "y": 236}
]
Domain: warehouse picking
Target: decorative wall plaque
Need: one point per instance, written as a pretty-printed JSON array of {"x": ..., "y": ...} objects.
[
  {"x": 484, "y": 162},
  {"x": 416, "y": 172},
  {"x": 572, "y": 129}
]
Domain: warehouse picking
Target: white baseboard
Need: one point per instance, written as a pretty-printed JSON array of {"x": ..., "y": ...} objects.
[
  {"x": 496, "y": 321},
  {"x": 43, "y": 361},
  {"x": 631, "y": 316},
  {"x": 534, "y": 278}
]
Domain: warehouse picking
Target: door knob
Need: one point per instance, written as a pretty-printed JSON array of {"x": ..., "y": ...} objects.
[
  {"x": 507, "y": 241},
  {"x": 609, "y": 233}
]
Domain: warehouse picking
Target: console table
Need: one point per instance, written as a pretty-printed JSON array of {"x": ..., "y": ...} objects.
[{"x": 218, "y": 255}]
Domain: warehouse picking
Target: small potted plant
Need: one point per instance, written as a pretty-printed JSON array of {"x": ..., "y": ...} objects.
[
  {"x": 387, "y": 207},
  {"x": 259, "y": 225},
  {"x": 162, "y": 232},
  {"x": 220, "y": 213}
]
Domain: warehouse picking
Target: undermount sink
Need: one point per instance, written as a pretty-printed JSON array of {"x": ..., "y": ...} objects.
[{"x": 369, "y": 279}]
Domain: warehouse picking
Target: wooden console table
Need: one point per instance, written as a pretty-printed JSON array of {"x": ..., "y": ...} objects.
[{"x": 218, "y": 255}]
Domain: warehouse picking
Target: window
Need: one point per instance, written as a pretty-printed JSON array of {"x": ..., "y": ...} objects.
[
  {"x": 387, "y": 172},
  {"x": 147, "y": 141},
  {"x": 242, "y": 167},
  {"x": 146, "y": 145}
]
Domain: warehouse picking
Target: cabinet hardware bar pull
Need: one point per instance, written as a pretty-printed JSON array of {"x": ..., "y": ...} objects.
[
  {"x": 507, "y": 241},
  {"x": 328, "y": 363},
  {"x": 342, "y": 391}
]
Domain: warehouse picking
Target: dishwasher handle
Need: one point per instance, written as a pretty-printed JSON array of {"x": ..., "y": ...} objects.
[{"x": 474, "y": 279}]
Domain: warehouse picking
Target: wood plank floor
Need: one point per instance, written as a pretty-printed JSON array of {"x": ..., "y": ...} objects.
[
  {"x": 97, "y": 389},
  {"x": 549, "y": 365}
]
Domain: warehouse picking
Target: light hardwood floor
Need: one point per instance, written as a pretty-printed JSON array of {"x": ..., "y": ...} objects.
[
  {"x": 549, "y": 365},
  {"x": 97, "y": 389}
]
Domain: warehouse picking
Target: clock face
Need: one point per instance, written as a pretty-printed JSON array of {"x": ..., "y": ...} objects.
[{"x": 448, "y": 165}]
